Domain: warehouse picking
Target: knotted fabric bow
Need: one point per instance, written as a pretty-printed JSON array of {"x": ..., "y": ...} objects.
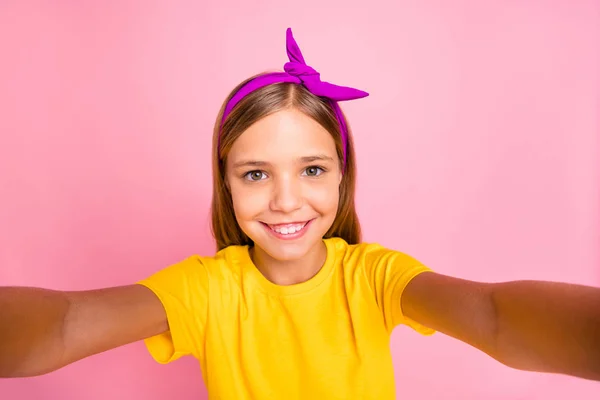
[{"x": 297, "y": 71}]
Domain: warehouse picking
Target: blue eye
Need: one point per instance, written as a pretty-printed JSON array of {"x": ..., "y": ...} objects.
[{"x": 254, "y": 175}]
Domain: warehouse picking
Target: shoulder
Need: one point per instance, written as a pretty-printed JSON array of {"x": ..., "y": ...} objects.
[
  {"x": 368, "y": 254},
  {"x": 226, "y": 265},
  {"x": 225, "y": 259},
  {"x": 198, "y": 270}
]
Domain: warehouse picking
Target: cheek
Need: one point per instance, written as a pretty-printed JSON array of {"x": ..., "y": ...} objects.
[
  {"x": 324, "y": 198},
  {"x": 247, "y": 201}
]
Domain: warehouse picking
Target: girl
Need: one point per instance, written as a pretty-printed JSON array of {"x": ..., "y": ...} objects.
[{"x": 293, "y": 305}]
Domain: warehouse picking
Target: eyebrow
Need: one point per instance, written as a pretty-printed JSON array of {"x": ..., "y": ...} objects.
[{"x": 306, "y": 159}]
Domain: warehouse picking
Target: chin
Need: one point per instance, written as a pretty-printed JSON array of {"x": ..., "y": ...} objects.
[
  {"x": 286, "y": 253},
  {"x": 290, "y": 251}
]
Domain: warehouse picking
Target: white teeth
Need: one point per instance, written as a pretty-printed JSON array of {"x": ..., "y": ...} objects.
[{"x": 287, "y": 230}]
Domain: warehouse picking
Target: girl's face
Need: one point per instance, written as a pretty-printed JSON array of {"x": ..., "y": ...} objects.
[{"x": 284, "y": 175}]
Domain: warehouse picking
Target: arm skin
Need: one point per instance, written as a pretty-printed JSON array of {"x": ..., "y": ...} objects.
[
  {"x": 527, "y": 325},
  {"x": 43, "y": 330}
]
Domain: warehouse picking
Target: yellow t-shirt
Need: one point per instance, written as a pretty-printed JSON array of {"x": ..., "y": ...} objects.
[{"x": 326, "y": 338}]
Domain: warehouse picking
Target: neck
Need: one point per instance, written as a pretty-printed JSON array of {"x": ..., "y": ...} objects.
[{"x": 289, "y": 272}]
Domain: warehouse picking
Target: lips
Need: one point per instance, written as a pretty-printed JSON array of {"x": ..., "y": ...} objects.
[{"x": 289, "y": 230}]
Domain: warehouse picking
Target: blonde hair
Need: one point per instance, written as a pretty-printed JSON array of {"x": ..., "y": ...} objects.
[{"x": 253, "y": 107}]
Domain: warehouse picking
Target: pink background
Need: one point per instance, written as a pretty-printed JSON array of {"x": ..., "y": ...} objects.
[{"x": 478, "y": 153}]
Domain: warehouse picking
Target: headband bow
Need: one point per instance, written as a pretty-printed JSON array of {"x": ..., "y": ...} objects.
[{"x": 297, "y": 71}]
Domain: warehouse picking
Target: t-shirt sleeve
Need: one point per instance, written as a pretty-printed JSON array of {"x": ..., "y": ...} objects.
[
  {"x": 389, "y": 272},
  {"x": 183, "y": 291}
]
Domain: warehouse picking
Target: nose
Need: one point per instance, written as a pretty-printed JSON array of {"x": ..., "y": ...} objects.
[{"x": 287, "y": 195}]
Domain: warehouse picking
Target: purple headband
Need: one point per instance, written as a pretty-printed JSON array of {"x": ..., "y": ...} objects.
[{"x": 296, "y": 71}]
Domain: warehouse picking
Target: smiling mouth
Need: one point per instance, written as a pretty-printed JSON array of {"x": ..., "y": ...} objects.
[{"x": 288, "y": 228}]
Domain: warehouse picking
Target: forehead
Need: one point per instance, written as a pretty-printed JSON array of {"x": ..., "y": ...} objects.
[{"x": 285, "y": 134}]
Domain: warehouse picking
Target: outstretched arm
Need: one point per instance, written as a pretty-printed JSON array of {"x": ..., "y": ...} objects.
[
  {"x": 43, "y": 330},
  {"x": 528, "y": 325}
]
